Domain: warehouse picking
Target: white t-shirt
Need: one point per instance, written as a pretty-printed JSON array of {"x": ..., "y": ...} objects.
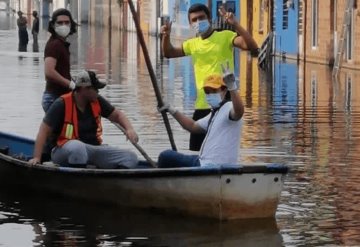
[{"x": 222, "y": 141}]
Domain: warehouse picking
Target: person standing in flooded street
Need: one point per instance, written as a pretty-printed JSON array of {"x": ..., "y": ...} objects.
[
  {"x": 23, "y": 34},
  {"x": 57, "y": 57},
  {"x": 35, "y": 31}
]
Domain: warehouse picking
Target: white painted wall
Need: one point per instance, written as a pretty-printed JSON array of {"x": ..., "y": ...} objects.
[
  {"x": 57, "y": 4},
  {"x": 83, "y": 11}
]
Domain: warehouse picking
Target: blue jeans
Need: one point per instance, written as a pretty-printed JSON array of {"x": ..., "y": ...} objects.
[
  {"x": 47, "y": 100},
  {"x": 170, "y": 158}
]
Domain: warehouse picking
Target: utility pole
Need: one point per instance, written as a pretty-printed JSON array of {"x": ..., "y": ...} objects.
[
  {"x": 109, "y": 20},
  {"x": 210, "y": 8}
]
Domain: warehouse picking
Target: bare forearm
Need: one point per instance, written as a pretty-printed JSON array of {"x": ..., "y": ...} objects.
[
  {"x": 249, "y": 42},
  {"x": 185, "y": 122},
  {"x": 166, "y": 46},
  {"x": 41, "y": 137},
  {"x": 120, "y": 118},
  {"x": 52, "y": 75},
  {"x": 169, "y": 50},
  {"x": 238, "y": 106},
  {"x": 55, "y": 77}
]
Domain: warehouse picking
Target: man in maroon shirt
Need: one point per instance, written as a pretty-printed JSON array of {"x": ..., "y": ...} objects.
[{"x": 57, "y": 57}]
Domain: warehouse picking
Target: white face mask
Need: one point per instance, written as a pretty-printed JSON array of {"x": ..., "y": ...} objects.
[
  {"x": 214, "y": 99},
  {"x": 201, "y": 26},
  {"x": 62, "y": 30}
]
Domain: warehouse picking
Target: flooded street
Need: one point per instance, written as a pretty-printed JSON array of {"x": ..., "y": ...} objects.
[{"x": 296, "y": 115}]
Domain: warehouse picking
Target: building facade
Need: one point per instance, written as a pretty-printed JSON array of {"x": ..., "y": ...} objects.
[
  {"x": 255, "y": 18},
  {"x": 312, "y": 30},
  {"x": 286, "y": 28},
  {"x": 306, "y": 30},
  {"x": 79, "y": 8},
  {"x": 324, "y": 24}
]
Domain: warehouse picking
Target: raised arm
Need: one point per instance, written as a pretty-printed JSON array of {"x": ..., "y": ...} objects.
[
  {"x": 244, "y": 40},
  {"x": 168, "y": 49},
  {"x": 237, "y": 110}
]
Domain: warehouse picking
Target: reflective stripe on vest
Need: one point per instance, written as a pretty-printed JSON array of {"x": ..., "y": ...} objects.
[
  {"x": 69, "y": 131},
  {"x": 70, "y": 127}
]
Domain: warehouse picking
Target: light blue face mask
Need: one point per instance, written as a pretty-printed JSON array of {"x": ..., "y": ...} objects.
[
  {"x": 213, "y": 99},
  {"x": 201, "y": 26}
]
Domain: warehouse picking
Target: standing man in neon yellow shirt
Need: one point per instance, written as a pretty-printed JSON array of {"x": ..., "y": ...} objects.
[{"x": 208, "y": 50}]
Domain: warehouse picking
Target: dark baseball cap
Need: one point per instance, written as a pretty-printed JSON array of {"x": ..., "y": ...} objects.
[{"x": 88, "y": 78}]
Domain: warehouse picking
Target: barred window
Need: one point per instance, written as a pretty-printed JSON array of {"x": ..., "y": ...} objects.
[{"x": 285, "y": 22}]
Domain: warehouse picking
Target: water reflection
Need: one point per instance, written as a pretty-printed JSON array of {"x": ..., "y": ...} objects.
[
  {"x": 312, "y": 125},
  {"x": 7, "y": 20},
  {"x": 320, "y": 196},
  {"x": 60, "y": 222},
  {"x": 295, "y": 114}
]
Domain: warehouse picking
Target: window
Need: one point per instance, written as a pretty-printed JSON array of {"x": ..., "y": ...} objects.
[
  {"x": 314, "y": 23},
  {"x": 350, "y": 37},
  {"x": 301, "y": 18},
  {"x": 285, "y": 22}
]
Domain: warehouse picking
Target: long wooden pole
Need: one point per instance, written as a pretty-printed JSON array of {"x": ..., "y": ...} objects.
[
  {"x": 151, "y": 72},
  {"x": 138, "y": 147}
]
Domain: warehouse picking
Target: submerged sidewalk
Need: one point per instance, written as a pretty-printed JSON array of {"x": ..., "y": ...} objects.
[{"x": 22, "y": 84}]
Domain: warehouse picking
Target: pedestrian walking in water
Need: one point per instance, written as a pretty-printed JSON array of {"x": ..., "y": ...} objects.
[
  {"x": 35, "y": 31},
  {"x": 22, "y": 29}
]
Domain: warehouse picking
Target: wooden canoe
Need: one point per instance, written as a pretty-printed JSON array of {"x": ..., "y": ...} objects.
[{"x": 221, "y": 192}]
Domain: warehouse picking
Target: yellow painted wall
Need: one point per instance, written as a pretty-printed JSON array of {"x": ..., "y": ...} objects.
[
  {"x": 243, "y": 13},
  {"x": 255, "y": 83},
  {"x": 250, "y": 94},
  {"x": 258, "y": 36},
  {"x": 243, "y": 74},
  {"x": 249, "y": 78}
]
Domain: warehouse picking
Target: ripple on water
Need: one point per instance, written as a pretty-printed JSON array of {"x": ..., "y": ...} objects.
[{"x": 315, "y": 132}]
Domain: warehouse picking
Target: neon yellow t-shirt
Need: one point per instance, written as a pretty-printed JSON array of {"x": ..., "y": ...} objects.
[{"x": 207, "y": 55}]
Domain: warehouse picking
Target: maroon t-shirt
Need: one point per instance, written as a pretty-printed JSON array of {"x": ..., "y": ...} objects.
[{"x": 59, "y": 50}]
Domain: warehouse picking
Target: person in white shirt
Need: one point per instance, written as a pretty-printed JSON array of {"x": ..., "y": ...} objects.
[{"x": 222, "y": 126}]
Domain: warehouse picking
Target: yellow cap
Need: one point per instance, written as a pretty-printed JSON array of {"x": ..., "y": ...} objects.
[{"x": 214, "y": 81}]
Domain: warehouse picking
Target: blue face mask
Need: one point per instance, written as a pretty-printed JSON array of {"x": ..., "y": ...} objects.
[
  {"x": 214, "y": 99},
  {"x": 201, "y": 26}
]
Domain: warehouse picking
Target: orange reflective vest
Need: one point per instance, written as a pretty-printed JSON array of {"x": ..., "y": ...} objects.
[{"x": 70, "y": 127}]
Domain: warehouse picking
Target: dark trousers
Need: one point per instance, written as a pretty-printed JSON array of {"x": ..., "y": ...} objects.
[
  {"x": 172, "y": 159},
  {"x": 35, "y": 42},
  {"x": 196, "y": 140},
  {"x": 23, "y": 39}
]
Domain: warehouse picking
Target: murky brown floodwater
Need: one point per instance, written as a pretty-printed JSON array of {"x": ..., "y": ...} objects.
[{"x": 297, "y": 116}]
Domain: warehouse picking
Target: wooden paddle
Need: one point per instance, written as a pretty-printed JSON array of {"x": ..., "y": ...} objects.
[
  {"x": 141, "y": 150},
  {"x": 151, "y": 73}
]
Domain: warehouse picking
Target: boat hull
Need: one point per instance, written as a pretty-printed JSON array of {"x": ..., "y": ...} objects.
[{"x": 222, "y": 192}]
